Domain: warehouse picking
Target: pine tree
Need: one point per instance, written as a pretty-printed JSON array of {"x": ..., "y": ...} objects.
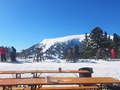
[
  {"x": 96, "y": 36},
  {"x": 86, "y": 49}
]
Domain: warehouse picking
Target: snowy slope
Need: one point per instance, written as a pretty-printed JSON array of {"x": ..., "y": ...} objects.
[
  {"x": 49, "y": 42},
  {"x": 55, "y": 47}
]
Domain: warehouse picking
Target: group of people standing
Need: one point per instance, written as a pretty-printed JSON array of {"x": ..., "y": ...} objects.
[
  {"x": 103, "y": 53},
  {"x": 12, "y": 54}
]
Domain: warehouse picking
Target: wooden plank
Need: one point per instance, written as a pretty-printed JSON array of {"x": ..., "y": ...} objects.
[
  {"x": 44, "y": 71},
  {"x": 14, "y": 88},
  {"x": 66, "y": 88},
  {"x": 57, "y": 81},
  {"x": 59, "y": 88},
  {"x": 56, "y": 71}
]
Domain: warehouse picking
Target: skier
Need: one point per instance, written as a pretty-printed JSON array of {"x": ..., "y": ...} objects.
[
  {"x": 3, "y": 54},
  {"x": 13, "y": 54}
]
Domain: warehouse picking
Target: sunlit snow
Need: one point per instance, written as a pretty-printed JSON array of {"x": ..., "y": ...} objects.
[{"x": 101, "y": 68}]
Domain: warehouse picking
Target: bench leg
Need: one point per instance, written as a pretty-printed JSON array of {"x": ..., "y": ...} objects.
[
  {"x": 39, "y": 86},
  {"x": 3, "y": 87},
  {"x": 18, "y": 75},
  {"x": 35, "y": 75},
  {"x": 7, "y": 88},
  {"x": 101, "y": 86},
  {"x": 33, "y": 87}
]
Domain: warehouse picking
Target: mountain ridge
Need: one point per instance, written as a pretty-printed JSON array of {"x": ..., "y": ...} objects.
[
  {"x": 55, "y": 47},
  {"x": 52, "y": 41}
]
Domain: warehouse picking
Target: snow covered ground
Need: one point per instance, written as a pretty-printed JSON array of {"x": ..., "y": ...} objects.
[{"x": 101, "y": 68}]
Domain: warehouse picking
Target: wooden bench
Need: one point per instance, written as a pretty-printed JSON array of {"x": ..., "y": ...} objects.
[
  {"x": 36, "y": 82},
  {"x": 59, "y": 88},
  {"x": 67, "y": 88},
  {"x": 36, "y": 72},
  {"x": 57, "y": 81}
]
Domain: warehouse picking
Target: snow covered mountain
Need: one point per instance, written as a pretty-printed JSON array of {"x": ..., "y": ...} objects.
[
  {"x": 55, "y": 47},
  {"x": 50, "y": 42}
]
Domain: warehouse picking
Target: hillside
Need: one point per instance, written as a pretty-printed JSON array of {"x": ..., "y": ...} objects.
[{"x": 55, "y": 47}]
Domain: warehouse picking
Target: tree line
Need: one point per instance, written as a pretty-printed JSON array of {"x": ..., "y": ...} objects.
[{"x": 96, "y": 45}]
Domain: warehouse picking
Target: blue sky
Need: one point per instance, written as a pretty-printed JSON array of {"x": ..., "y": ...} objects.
[{"x": 24, "y": 23}]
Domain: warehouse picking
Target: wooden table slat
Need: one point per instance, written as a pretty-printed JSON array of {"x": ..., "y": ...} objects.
[{"x": 44, "y": 71}]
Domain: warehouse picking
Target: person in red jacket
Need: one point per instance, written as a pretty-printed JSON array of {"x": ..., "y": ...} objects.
[
  {"x": 3, "y": 54},
  {"x": 113, "y": 53}
]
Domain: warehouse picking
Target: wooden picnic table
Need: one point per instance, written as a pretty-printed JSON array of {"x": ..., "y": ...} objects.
[
  {"x": 35, "y": 72},
  {"x": 57, "y": 81}
]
